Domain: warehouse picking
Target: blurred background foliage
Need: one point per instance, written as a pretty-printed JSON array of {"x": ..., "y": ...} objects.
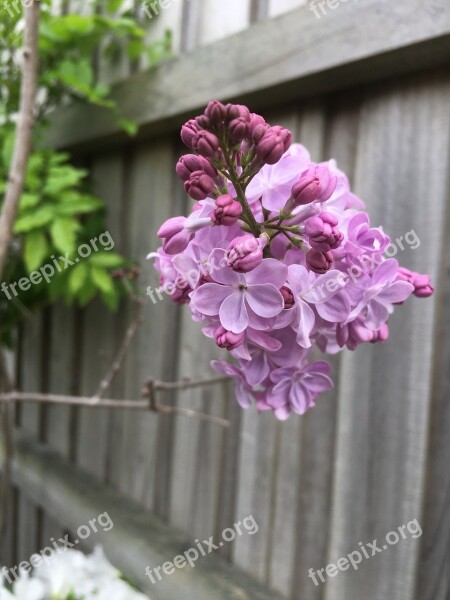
[{"x": 57, "y": 211}]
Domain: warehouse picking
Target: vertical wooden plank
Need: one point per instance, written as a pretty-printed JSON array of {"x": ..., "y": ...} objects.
[
  {"x": 198, "y": 445},
  {"x": 384, "y": 395},
  {"x": 157, "y": 21},
  {"x": 100, "y": 343},
  {"x": 29, "y": 417},
  {"x": 219, "y": 20},
  {"x": 60, "y": 377},
  {"x": 150, "y": 200},
  {"x": 27, "y": 530},
  {"x": 327, "y": 134},
  {"x": 278, "y": 7},
  {"x": 433, "y": 572}
]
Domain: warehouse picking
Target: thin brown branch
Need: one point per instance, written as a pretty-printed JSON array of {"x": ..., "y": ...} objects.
[
  {"x": 149, "y": 404},
  {"x": 24, "y": 131},
  {"x": 118, "y": 360}
]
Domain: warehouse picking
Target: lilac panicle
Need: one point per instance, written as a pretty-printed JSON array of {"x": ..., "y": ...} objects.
[{"x": 276, "y": 257}]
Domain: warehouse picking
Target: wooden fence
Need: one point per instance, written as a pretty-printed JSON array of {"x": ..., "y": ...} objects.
[{"x": 368, "y": 84}]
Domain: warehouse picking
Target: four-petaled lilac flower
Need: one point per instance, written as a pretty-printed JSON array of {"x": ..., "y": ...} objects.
[
  {"x": 378, "y": 293},
  {"x": 296, "y": 389},
  {"x": 242, "y": 300}
]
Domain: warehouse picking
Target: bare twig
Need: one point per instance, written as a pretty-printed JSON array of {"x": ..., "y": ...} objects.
[
  {"x": 24, "y": 131},
  {"x": 118, "y": 360},
  {"x": 149, "y": 392}
]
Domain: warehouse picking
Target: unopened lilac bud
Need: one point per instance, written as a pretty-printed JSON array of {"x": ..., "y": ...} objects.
[
  {"x": 207, "y": 144},
  {"x": 175, "y": 235},
  {"x": 227, "y": 212},
  {"x": 239, "y": 129},
  {"x": 189, "y": 163},
  {"x": 315, "y": 184},
  {"x": 216, "y": 113},
  {"x": 422, "y": 283},
  {"x": 199, "y": 186},
  {"x": 382, "y": 335},
  {"x": 188, "y": 133},
  {"x": 423, "y": 287},
  {"x": 258, "y": 127},
  {"x": 203, "y": 122},
  {"x": 228, "y": 339},
  {"x": 288, "y": 297},
  {"x": 319, "y": 262},
  {"x": 236, "y": 111},
  {"x": 323, "y": 232},
  {"x": 245, "y": 253},
  {"x": 275, "y": 142}
]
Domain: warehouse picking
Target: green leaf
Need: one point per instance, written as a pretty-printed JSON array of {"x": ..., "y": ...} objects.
[
  {"x": 129, "y": 127},
  {"x": 34, "y": 220},
  {"x": 7, "y": 150},
  {"x": 107, "y": 260},
  {"x": 36, "y": 249},
  {"x": 111, "y": 299},
  {"x": 62, "y": 178},
  {"x": 77, "y": 278},
  {"x": 63, "y": 231},
  {"x": 28, "y": 201},
  {"x": 73, "y": 204},
  {"x": 102, "y": 280},
  {"x": 86, "y": 293},
  {"x": 114, "y": 5}
]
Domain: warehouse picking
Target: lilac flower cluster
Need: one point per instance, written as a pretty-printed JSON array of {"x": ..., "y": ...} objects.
[{"x": 276, "y": 256}]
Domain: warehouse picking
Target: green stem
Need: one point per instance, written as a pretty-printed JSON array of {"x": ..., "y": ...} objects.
[{"x": 234, "y": 178}]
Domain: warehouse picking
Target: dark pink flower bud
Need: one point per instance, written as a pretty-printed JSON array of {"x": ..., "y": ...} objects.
[
  {"x": 245, "y": 253},
  {"x": 258, "y": 127},
  {"x": 323, "y": 232},
  {"x": 423, "y": 287},
  {"x": 239, "y": 129},
  {"x": 275, "y": 142},
  {"x": 189, "y": 163},
  {"x": 216, "y": 113},
  {"x": 315, "y": 184},
  {"x": 203, "y": 122},
  {"x": 227, "y": 339},
  {"x": 288, "y": 297},
  {"x": 188, "y": 133},
  {"x": 236, "y": 111},
  {"x": 319, "y": 262},
  {"x": 207, "y": 144},
  {"x": 227, "y": 212},
  {"x": 422, "y": 283},
  {"x": 199, "y": 186}
]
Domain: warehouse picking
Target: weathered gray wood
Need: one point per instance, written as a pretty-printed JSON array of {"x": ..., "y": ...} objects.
[
  {"x": 278, "y": 7},
  {"x": 219, "y": 20},
  {"x": 384, "y": 393},
  {"x": 62, "y": 360},
  {"x": 149, "y": 204},
  {"x": 136, "y": 540},
  {"x": 290, "y": 57},
  {"x": 100, "y": 339}
]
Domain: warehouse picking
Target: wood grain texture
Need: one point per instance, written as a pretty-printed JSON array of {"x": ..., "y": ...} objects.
[
  {"x": 292, "y": 56},
  {"x": 136, "y": 540},
  {"x": 384, "y": 401},
  {"x": 101, "y": 331},
  {"x": 278, "y": 7}
]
